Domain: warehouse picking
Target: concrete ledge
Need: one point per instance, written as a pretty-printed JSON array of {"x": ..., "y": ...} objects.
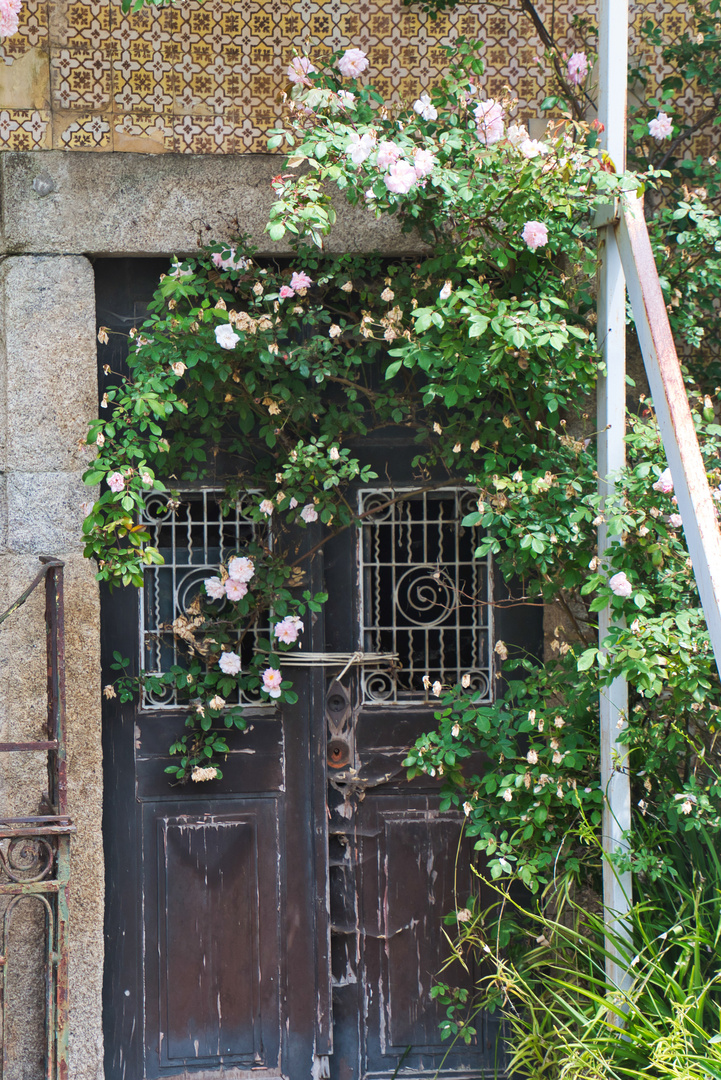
[{"x": 54, "y": 202}]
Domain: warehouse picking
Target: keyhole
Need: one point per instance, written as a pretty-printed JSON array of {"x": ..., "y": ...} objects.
[{"x": 338, "y": 753}]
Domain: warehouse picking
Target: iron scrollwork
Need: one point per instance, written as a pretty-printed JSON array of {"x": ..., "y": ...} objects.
[
  {"x": 424, "y": 595},
  {"x": 27, "y": 858},
  {"x": 194, "y": 536}
]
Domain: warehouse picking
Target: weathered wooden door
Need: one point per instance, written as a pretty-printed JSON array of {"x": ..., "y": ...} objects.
[
  {"x": 286, "y": 920},
  {"x": 216, "y": 940}
]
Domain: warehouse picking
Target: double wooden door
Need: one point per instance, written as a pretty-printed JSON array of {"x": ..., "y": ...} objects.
[{"x": 286, "y": 921}]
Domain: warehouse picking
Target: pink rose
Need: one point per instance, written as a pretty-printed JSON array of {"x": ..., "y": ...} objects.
[
  {"x": 675, "y": 521},
  {"x": 9, "y": 18},
  {"x": 116, "y": 482},
  {"x": 660, "y": 127},
  {"x": 424, "y": 163},
  {"x": 229, "y": 663},
  {"x": 226, "y": 336},
  {"x": 241, "y": 568},
  {"x": 577, "y": 68},
  {"x": 214, "y": 588},
  {"x": 360, "y": 147},
  {"x": 531, "y": 148},
  {"x": 352, "y": 63},
  {"x": 299, "y": 69},
  {"x": 300, "y": 280},
  {"x": 267, "y": 507},
  {"x": 235, "y": 590},
  {"x": 272, "y": 679},
  {"x": 388, "y": 154},
  {"x": 620, "y": 585},
  {"x": 309, "y": 513},
  {"x": 288, "y": 629},
  {"x": 224, "y": 264},
  {"x": 424, "y": 107},
  {"x": 401, "y": 177},
  {"x": 664, "y": 483},
  {"x": 286, "y": 292},
  {"x": 489, "y": 118},
  {"x": 535, "y": 234}
]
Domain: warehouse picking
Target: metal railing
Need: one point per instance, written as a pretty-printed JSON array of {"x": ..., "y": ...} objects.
[{"x": 35, "y": 850}]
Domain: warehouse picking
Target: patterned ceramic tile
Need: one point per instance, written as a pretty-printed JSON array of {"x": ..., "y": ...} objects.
[
  {"x": 33, "y": 31},
  {"x": 144, "y": 132},
  {"x": 25, "y": 129},
  {"x": 205, "y": 77},
  {"x": 82, "y": 131}
]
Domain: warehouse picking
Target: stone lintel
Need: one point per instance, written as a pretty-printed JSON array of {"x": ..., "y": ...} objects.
[{"x": 157, "y": 204}]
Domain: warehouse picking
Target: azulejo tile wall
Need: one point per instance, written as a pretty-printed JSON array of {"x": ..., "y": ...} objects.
[{"x": 205, "y": 78}]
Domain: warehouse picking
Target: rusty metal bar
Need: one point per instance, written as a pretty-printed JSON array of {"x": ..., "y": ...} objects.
[
  {"x": 30, "y": 888},
  {"x": 675, "y": 422},
  {"x": 33, "y": 819},
  {"x": 60, "y": 958},
  {"x": 55, "y": 627},
  {"x": 10, "y": 747},
  {"x": 24, "y": 596},
  {"x": 47, "y": 830},
  {"x": 49, "y": 833}
]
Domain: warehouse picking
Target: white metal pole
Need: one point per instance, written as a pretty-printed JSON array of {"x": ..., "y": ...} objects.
[{"x": 611, "y": 405}]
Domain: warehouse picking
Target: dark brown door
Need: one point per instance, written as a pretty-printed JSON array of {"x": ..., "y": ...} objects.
[
  {"x": 286, "y": 921},
  {"x": 405, "y": 585},
  {"x": 216, "y": 937}
]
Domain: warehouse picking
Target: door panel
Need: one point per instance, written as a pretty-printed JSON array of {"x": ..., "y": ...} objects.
[
  {"x": 397, "y": 866},
  {"x": 255, "y": 764},
  {"x": 213, "y": 994},
  {"x": 407, "y": 862}
]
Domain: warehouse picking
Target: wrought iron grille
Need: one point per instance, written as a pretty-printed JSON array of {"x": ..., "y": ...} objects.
[
  {"x": 35, "y": 850},
  {"x": 193, "y": 538},
  {"x": 423, "y": 594}
]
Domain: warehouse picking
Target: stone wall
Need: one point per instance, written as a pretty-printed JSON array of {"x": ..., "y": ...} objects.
[{"x": 48, "y": 392}]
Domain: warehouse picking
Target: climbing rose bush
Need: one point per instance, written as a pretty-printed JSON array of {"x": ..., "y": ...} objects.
[
  {"x": 490, "y": 191},
  {"x": 482, "y": 350}
]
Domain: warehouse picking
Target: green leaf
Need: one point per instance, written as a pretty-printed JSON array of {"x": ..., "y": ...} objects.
[{"x": 586, "y": 659}]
